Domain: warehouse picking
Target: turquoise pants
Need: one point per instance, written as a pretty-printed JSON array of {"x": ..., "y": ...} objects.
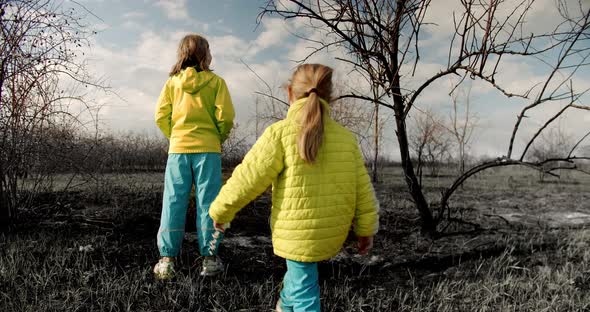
[
  {"x": 182, "y": 170},
  {"x": 301, "y": 289}
]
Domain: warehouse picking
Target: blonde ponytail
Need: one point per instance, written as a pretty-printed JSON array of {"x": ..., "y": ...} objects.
[
  {"x": 313, "y": 81},
  {"x": 312, "y": 128}
]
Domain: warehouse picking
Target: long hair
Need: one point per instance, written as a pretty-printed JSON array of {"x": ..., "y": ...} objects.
[
  {"x": 313, "y": 81},
  {"x": 193, "y": 51}
]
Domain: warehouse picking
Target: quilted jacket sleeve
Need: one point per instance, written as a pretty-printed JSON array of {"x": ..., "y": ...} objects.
[
  {"x": 366, "y": 219},
  {"x": 260, "y": 167},
  {"x": 224, "y": 111},
  {"x": 163, "y": 114}
]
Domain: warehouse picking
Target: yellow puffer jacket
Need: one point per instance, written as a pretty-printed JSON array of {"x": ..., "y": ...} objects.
[
  {"x": 314, "y": 205},
  {"x": 195, "y": 112}
]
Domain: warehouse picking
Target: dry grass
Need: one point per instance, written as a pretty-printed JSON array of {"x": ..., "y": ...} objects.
[
  {"x": 45, "y": 264},
  {"x": 49, "y": 273}
]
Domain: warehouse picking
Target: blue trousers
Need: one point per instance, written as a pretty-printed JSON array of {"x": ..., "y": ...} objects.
[
  {"x": 182, "y": 170},
  {"x": 301, "y": 289}
]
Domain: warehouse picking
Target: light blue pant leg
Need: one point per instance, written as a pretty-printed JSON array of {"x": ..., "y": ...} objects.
[
  {"x": 207, "y": 175},
  {"x": 301, "y": 289},
  {"x": 178, "y": 181}
]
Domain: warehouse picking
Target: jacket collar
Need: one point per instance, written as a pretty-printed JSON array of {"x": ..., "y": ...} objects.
[{"x": 295, "y": 108}]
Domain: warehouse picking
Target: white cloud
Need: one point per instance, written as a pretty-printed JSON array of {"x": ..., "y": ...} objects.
[
  {"x": 275, "y": 32},
  {"x": 138, "y": 70},
  {"x": 230, "y": 47},
  {"x": 134, "y": 20},
  {"x": 100, "y": 27},
  {"x": 157, "y": 51},
  {"x": 174, "y": 9},
  {"x": 133, "y": 25},
  {"x": 134, "y": 15}
]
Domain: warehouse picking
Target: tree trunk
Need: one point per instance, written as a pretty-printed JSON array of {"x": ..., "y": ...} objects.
[
  {"x": 428, "y": 222},
  {"x": 462, "y": 158},
  {"x": 419, "y": 167},
  {"x": 5, "y": 210},
  {"x": 375, "y": 142}
]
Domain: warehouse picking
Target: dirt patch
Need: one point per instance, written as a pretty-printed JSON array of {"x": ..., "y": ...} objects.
[{"x": 550, "y": 219}]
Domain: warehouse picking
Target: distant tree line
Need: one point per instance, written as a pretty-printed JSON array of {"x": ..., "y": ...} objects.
[{"x": 60, "y": 150}]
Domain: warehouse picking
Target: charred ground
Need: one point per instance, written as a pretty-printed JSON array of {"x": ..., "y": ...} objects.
[{"x": 93, "y": 249}]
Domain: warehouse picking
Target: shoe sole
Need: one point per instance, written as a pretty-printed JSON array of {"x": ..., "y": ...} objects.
[
  {"x": 163, "y": 279},
  {"x": 207, "y": 274}
]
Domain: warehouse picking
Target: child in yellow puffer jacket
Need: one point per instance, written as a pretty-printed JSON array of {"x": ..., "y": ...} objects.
[
  {"x": 195, "y": 113},
  {"x": 320, "y": 187}
]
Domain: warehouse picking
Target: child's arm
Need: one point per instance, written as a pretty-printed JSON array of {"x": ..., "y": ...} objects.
[
  {"x": 224, "y": 110},
  {"x": 366, "y": 220},
  {"x": 261, "y": 165},
  {"x": 163, "y": 114}
]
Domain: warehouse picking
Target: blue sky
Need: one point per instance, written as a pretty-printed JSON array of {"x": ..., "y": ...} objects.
[{"x": 136, "y": 45}]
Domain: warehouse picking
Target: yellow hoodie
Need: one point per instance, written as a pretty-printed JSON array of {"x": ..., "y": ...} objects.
[
  {"x": 313, "y": 206},
  {"x": 195, "y": 112}
]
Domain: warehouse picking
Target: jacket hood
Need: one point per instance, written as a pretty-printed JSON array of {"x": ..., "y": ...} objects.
[{"x": 193, "y": 81}]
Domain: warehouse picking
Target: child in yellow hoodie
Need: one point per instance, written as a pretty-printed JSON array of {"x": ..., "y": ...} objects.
[
  {"x": 320, "y": 187},
  {"x": 195, "y": 112}
]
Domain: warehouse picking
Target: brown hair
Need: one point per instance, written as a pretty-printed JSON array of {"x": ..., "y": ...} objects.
[
  {"x": 313, "y": 81},
  {"x": 193, "y": 51}
]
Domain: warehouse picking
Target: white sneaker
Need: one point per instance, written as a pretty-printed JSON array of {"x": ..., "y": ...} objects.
[
  {"x": 164, "y": 270},
  {"x": 212, "y": 266}
]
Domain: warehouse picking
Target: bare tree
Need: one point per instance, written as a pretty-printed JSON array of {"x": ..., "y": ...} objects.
[
  {"x": 463, "y": 124},
  {"x": 41, "y": 75},
  {"x": 382, "y": 39},
  {"x": 552, "y": 144},
  {"x": 429, "y": 141}
]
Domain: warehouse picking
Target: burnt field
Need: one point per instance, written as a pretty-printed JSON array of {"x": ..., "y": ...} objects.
[{"x": 523, "y": 247}]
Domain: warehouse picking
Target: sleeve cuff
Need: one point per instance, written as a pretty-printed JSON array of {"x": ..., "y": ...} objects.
[
  {"x": 218, "y": 217},
  {"x": 365, "y": 232}
]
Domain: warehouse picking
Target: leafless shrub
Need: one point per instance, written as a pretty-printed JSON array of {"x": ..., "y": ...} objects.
[
  {"x": 235, "y": 147},
  {"x": 552, "y": 144},
  {"x": 41, "y": 77},
  {"x": 429, "y": 141}
]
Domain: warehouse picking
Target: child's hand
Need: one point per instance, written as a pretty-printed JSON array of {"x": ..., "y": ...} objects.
[
  {"x": 219, "y": 226},
  {"x": 365, "y": 244}
]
